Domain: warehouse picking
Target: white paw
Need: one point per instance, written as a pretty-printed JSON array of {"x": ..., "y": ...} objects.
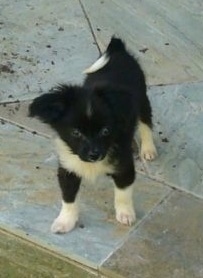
[
  {"x": 66, "y": 220},
  {"x": 62, "y": 225},
  {"x": 148, "y": 152},
  {"x": 125, "y": 215}
]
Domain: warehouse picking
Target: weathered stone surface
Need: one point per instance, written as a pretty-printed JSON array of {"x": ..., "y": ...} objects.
[
  {"x": 164, "y": 35},
  {"x": 17, "y": 113},
  {"x": 178, "y": 118},
  {"x": 169, "y": 243},
  {"x": 42, "y": 45}
]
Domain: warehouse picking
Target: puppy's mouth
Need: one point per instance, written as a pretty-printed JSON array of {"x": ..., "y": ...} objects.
[{"x": 93, "y": 157}]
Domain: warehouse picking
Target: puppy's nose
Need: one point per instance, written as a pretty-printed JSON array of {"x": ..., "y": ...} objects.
[{"x": 94, "y": 155}]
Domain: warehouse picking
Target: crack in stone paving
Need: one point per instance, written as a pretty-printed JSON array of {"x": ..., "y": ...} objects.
[{"x": 90, "y": 26}]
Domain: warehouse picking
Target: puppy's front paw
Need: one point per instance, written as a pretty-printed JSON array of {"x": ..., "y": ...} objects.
[
  {"x": 148, "y": 151},
  {"x": 62, "y": 225},
  {"x": 66, "y": 220},
  {"x": 125, "y": 215}
]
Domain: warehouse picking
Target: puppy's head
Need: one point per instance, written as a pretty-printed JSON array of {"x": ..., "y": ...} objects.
[{"x": 82, "y": 118}]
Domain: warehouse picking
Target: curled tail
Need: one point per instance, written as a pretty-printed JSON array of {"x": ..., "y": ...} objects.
[{"x": 115, "y": 45}]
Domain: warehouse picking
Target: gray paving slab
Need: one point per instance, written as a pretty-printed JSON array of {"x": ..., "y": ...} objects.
[
  {"x": 178, "y": 118},
  {"x": 17, "y": 113},
  {"x": 42, "y": 44},
  {"x": 164, "y": 35},
  {"x": 30, "y": 200},
  {"x": 169, "y": 243}
]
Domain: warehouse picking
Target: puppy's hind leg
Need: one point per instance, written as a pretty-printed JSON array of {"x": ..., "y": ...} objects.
[
  {"x": 148, "y": 149},
  {"x": 68, "y": 215}
]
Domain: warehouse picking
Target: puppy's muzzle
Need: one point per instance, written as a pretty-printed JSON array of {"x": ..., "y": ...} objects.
[{"x": 94, "y": 155}]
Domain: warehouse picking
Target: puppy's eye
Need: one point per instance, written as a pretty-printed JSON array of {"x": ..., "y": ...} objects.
[
  {"x": 105, "y": 131},
  {"x": 76, "y": 133}
]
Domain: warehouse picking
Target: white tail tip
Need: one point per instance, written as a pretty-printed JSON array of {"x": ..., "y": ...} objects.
[{"x": 99, "y": 64}]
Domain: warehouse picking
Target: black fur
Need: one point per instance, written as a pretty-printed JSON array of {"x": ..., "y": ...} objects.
[
  {"x": 116, "y": 98},
  {"x": 68, "y": 192}
]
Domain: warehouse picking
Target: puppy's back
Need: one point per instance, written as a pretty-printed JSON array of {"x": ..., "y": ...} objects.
[{"x": 116, "y": 67}]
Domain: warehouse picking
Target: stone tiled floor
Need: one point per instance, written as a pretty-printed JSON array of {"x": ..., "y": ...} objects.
[
  {"x": 44, "y": 44},
  {"x": 163, "y": 245}
]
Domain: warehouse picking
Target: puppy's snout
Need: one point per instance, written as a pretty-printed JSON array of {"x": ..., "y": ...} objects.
[{"x": 94, "y": 155}]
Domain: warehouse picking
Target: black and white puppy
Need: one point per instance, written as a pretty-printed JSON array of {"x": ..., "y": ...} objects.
[{"x": 95, "y": 124}]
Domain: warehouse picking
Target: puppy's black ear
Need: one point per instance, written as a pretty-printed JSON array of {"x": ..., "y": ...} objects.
[{"x": 49, "y": 108}]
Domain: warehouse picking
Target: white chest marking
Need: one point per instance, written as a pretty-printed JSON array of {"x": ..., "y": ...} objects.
[{"x": 73, "y": 163}]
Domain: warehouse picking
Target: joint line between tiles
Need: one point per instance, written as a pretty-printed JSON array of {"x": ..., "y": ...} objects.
[
  {"x": 90, "y": 25},
  {"x": 170, "y": 185},
  {"x": 25, "y": 128},
  {"x": 136, "y": 227}
]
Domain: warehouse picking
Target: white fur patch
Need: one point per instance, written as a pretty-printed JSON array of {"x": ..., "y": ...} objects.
[
  {"x": 148, "y": 149},
  {"x": 87, "y": 170},
  {"x": 67, "y": 218},
  {"x": 99, "y": 64},
  {"x": 125, "y": 213}
]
